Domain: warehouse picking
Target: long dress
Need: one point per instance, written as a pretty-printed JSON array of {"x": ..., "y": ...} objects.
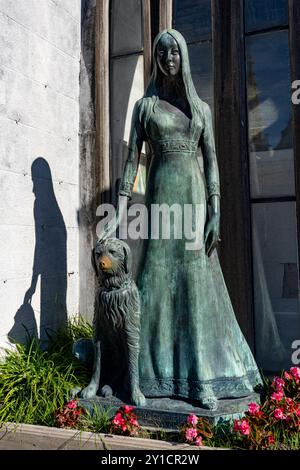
[{"x": 190, "y": 345}]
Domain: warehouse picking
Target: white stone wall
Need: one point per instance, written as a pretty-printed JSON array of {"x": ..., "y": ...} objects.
[{"x": 39, "y": 119}]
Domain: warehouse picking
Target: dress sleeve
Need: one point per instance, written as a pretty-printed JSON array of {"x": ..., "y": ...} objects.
[
  {"x": 207, "y": 144},
  {"x": 136, "y": 139}
]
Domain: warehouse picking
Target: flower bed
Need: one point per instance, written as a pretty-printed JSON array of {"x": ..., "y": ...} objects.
[
  {"x": 34, "y": 386},
  {"x": 274, "y": 424}
]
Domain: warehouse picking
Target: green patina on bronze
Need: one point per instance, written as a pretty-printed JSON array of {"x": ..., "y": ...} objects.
[{"x": 191, "y": 345}]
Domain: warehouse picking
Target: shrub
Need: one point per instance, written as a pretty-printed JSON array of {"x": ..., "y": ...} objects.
[
  {"x": 97, "y": 419},
  {"x": 196, "y": 430},
  {"x": 35, "y": 383},
  {"x": 276, "y": 423},
  {"x": 125, "y": 422},
  {"x": 69, "y": 415}
]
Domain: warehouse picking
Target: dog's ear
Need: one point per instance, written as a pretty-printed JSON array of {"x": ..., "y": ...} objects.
[
  {"x": 94, "y": 264},
  {"x": 127, "y": 258}
]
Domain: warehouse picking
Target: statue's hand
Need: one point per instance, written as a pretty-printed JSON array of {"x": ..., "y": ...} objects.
[
  {"x": 110, "y": 228},
  {"x": 211, "y": 233}
]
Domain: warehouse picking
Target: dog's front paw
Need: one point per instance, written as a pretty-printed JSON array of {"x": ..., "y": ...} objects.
[
  {"x": 106, "y": 391},
  {"x": 137, "y": 398},
  {"x": 89, "y": 391}
]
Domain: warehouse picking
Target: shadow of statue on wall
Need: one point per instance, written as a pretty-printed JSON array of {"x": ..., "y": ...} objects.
[{"x": 49, "y": 264}]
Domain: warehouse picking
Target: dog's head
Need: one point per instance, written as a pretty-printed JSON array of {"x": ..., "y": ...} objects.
[{"x": 111, "y": 258}]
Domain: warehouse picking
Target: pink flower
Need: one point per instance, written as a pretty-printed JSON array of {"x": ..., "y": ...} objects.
[
  {"x": 118, "y": 420},
  {"x": 253, "y": 408},
  {"x": 295, "y": 371},
  {"x": 242, "y": 427},
  {"x": 298, "y": 411},
  {"x": 277, "y": 396},
  {"x": 134, "y": 422},
  {"x": 190, "y": 434},
  {"x": 192, "y": 419},
  {"x": 124, "y": 428},
  {"x": 287, "y": 376},
  {"x": 278, "y": 414},
  {"x": 278, "y": 383},
  {"x": 128, "y": 409},
  {"x": 198, "y": 441},
  {"x": 289, "y": 404},
  {"x": 71, "y": 404}
]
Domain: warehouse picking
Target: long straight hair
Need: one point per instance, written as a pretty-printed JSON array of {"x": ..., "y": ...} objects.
[{"x": 195, "y": 103}]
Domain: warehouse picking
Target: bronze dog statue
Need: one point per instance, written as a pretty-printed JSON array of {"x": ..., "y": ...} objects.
[{"x": 116, "y": 324}]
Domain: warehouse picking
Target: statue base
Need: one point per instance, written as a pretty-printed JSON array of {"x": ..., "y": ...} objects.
[{"x": 171, "y": 413}]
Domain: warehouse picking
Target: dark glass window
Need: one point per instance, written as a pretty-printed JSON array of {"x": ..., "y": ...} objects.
[
  {"x": 272, "y": 184},
  {"x": 126, "y": 84},
  {"x": 126, "y": 26},
  {"x": 269, "y": 115},
  {"x": 262, "y": 14},
  {"x": 276, "y": 290},
  {"x": 193, "y": 19}
]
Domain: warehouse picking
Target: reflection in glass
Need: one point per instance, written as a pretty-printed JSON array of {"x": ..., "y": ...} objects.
[
  {"x": 127, "y": 86},
  {"x": 126, "y": 26},
  {"x": 276, "y": 290},
  {"x": 193, "y": 19},
  {"x": 269, "y": 107},
  {"x": 261, "y": 14}
]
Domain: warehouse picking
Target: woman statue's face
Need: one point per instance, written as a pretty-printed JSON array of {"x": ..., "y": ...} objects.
[{"x": 168, "y": 55}]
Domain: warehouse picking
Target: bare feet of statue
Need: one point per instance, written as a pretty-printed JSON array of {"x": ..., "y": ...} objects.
[{"x": 210, "y": 403}]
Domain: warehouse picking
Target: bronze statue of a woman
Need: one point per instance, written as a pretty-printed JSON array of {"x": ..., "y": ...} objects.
[{"x": 191, "y": 345}]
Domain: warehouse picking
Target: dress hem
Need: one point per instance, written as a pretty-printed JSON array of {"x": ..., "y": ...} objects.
[{"x": 225, "y": 387}]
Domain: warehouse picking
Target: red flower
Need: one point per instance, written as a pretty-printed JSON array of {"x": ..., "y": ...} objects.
[
  {"x": 253, "y": 408},
  {"x": 295, "y": 371},
  {"x": 271, "y": 440},
  {"x": 118, "y": 420},
  {"x": 128, "y": 409},
  {"x": 278, "y": 414},
  {"x": 289, "y": 401},
  {"x": 125, "y": 422},
  {"x": 192, "y": 419},
  {"x": 278, "y": 384},
  {"x": 191, "y": 434},
  {"x": 71, "y": 404},
  {"x": 134, "y": 422},
  {"x": 277, "y": 396},
  {"x": 242, "y": 427},
  {"x": 198, "y": 441}
]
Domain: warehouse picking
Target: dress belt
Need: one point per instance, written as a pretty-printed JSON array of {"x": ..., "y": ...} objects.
[{"x": 175, "y": 145}]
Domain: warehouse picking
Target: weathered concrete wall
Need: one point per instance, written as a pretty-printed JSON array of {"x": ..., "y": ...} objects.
[
  {"x": 39, "y": 163},
  {"x": 88, "y": 167}
]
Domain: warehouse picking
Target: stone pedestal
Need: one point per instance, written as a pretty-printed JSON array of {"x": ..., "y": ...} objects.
[{"x": 170, "y": 413}]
